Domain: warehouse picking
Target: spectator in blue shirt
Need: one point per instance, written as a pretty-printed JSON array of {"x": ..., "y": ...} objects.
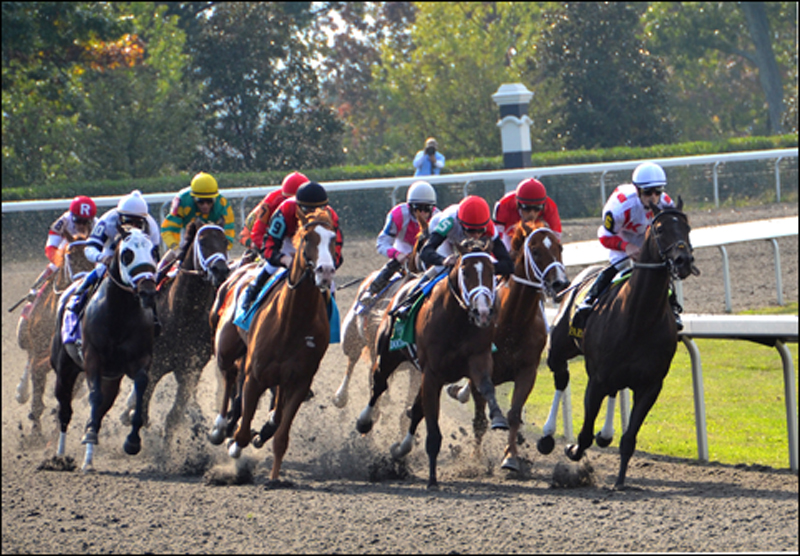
[{"x": 429, "y": 161}]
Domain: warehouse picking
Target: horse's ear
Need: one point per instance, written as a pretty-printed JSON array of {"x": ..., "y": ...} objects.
[
  {"x": 654, "y": 208},
  {"x": 486, "y": 244},
  {"x": 221, "y": 222},
  {"x": 679, "y": 205},
  {"x": 301, "y": 216}
]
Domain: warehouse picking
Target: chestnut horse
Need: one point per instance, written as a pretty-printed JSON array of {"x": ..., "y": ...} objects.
[
  {"x": 286, "y": 341},
  {"x": 454, "y": 331},
  {"x": 629, "y": 339},
  {"x": 521, "y": 330},
  {"x": 360, "y": 325},
  {"x": 185, "y": 345},
  {"x": 117, "y": 341},
  {"x": 35, "y": 329}
]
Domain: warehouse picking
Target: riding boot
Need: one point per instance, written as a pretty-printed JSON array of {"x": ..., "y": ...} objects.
[
  {"x": 252, "y": 289},
  {"x": 598, "y": 287},
  {"x": 382, "y": 279},
  {"x": 404, "y": 305},
  {"x": 676, "y": 309},
  {"x": 164, "y": 265},
  {"x": 80, "y": 296},
  {"x": 41, "y": 279}
]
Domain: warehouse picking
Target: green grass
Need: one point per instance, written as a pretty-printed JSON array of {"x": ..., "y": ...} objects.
[{"x": 744, "y": 399}]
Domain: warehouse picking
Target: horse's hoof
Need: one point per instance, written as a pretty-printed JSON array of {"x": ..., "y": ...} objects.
[
  {"x": 132, "y": 446},
  {"x": 257, "y": 442},
  {"x": 87, "y": 468},
  {"x": 453, "y": 390},
  {"x": 340, "y": 400},
  {"x": 363, "y": 426},
  {"x": 398, "y": 451},
  {"x": 234, "y": 451},
  {"x": 571, "y": 452},
  {"x": 546, "y": 444},
  {"x": 602, "y": 442},
  {"x": 216, "y": 437},
  {"x": 23, "y": 395},
  {"x": 511, "y": 463},
  {"x": 433, "y": 487},
  {"x": 499, "y": 423},
  {"x": 89, "y": 438}
]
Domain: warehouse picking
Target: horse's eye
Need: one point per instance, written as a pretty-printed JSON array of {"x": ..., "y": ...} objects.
[{"x": 127, "y": 257}]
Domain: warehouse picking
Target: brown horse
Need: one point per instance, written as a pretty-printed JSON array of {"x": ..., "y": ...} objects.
[
  {"x": 521, "y": 330},
  {"x": 117, "y": 341},
  {"x": 36, "y": 326},
  {"x": 629, "y": 339},
  {"x": 286, "y": 341},
  {"x": 360, "y": 324},
  {"x": 454, "y": 332},
  {"x": 185, "y": 345}
]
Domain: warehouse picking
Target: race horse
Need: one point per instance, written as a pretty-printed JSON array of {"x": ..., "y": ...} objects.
[
  {"x": 184, "y": 298},
  {"x": 360, "y": 323},
  {"x": 629, "y": 339},
  {"x": 117, "y": 341},
  {"x": 37, "y": 324},
  {"x": 286, "y": 341},
  {"x": 521, "y": 329},
  {"x": 454, "y": 330}
]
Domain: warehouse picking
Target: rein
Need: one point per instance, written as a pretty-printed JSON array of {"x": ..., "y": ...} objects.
[
  {"x": 309, "y": 268},
  {"x": 537, "y": 281},
  {"x": 464, "y": 296}
]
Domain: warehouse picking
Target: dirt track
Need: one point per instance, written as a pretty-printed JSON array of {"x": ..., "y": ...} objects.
[{"x": 159, "y": 501}]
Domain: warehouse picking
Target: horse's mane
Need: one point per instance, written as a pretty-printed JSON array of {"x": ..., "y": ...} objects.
[
  {"x": 522, "y": 231},
  {"x": 189, "y": 235}
]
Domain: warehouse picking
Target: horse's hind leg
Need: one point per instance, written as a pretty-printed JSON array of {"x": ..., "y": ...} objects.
[
  {"x": 66, "y": 374},
  {"x": 642, "y": 403},
  {"x": 39, "y": 380},
  {"x": 133, "y": 443},
  {"x": 592, "y": 400},
  {"x": 381, "y": 371},
  {"x": 24, "y": 385}
]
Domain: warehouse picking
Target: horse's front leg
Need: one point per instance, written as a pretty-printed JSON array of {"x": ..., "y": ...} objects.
[
  {"x": 431, "y": 391},
  {"x": 66, "y": 375},
  {"x": 592, "y": 400},
  {"x": 480, "y": 373},
  {"x": 400, "y": 450},
  {"x": 251, "y": 393},
  {"x": 352, "y": 346},
  {"x": 523, "y": 385},
  {"x": 24, "y": 386},
  {"x": 479, "y": 423},
  {"x": 102, "y": 394},
  {"x": 133, "y": 443},
  {"x": 39, "y": 381}
]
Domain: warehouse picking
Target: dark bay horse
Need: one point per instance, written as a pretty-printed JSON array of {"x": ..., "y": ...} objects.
[
  {"x": 360, "y": 325},
  {"x": 35, "y": 329},
  {"x": 521, "y": 329},
  {"x": 629, "y": 339},
  {"x": 454, "y": 331},
  {"x": 287, "y": 339},
  {"x": 117, "y": 341},
  {"x": 185, "y": 345}
]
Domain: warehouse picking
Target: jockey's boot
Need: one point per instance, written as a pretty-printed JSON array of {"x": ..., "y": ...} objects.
[
  {"x": 252, "y": 289},
  {"x": 41, "y": 279},
  {"x": 676, "y": 309},
  {"x": 79, "y": 297},
  {"x": 164, "y": 264},
  {"x": 403, "y": 307},
  {"x": 598, "y": 287},
  {"x": 381, "y": 280}
]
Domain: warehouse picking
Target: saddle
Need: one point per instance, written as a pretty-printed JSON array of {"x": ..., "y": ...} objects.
[
  {"x": 403, "y": 325},
  {"x": 575, "y": 329},
  {"x": 243, "y": 318}
]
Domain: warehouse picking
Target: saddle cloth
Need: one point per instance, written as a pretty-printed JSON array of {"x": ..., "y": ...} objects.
[
  {"x": 403, "y": 331},
  {"x": 243, "y": 319}
]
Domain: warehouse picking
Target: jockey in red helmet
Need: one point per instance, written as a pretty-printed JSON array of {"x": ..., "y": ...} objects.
[
  {"x": 529, "y": 202},
  {"x": 255, "y": 225}
]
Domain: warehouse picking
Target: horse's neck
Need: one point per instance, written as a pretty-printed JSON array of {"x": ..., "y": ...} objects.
[
  {"x": 522, "y": 299},
  {"x": 648, "y": 287}
]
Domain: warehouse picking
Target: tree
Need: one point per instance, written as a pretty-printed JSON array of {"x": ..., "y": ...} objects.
[
  {"x": 614, "y": 89},
  {"x": 728, "y": 62},
  {"x": 261, "y": 105}
]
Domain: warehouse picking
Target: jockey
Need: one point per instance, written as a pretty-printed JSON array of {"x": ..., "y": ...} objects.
[
  {"x": 626, "y": 217},
  {"x": 278, "y": 248},
  {"x": 131, "y": 210},
  {"x": 399, "y": 233},
  {"x": 78, "y": 220},
  {"x": 471, "y": 218},
  {"x": 255, "y": 225},
  {"x": 200, "y": 200},
  {"x": 529, "y": 202}
]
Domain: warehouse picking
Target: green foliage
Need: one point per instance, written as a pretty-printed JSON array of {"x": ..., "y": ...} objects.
[
  {"x": 260, "y": 102},
  {"x": 614, "y": 90}
]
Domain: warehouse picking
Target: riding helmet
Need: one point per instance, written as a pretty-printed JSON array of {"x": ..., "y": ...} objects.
[
  {"x": 649, "y": 175},
  {"x": 474, "y": 213},
  {"x": 421, "y": 193},
  {"x": 83, "y": 207},
  {"x": 133, "y": 205},
  {"x": 291, "y": 183},
  {"x": 531, "y": 192},
  {"x": 311, "y": 194},
  {"x": 204, "y": 186}
]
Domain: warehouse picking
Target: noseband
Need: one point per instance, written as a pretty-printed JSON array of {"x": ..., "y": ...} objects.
[
  {"x": 666, "y": 262},
  {"x": 201, "y": 262},
  {"x": 465, "y": 296},
  {"x": 309, "y": 266},
  {"x": 537, "y": 281}
]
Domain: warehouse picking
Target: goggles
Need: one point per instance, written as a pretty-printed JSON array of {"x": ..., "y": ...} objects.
[
  {"x": 652, "y": 191},
  {"x": 526, "y": 208},
  {"x": 475, "y": 231},
  {"x": 203, "y": 201},
  {"x": 423, "y": 208}
]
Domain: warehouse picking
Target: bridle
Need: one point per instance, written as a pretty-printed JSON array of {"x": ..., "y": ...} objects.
[
  {"x": 308, "y": 270},
  {"x": 465, "y": 296},
  {"x": 202, "y": 263},
  {"x": 537, "y": 280},
  {"x": 666, "y": 261}
]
